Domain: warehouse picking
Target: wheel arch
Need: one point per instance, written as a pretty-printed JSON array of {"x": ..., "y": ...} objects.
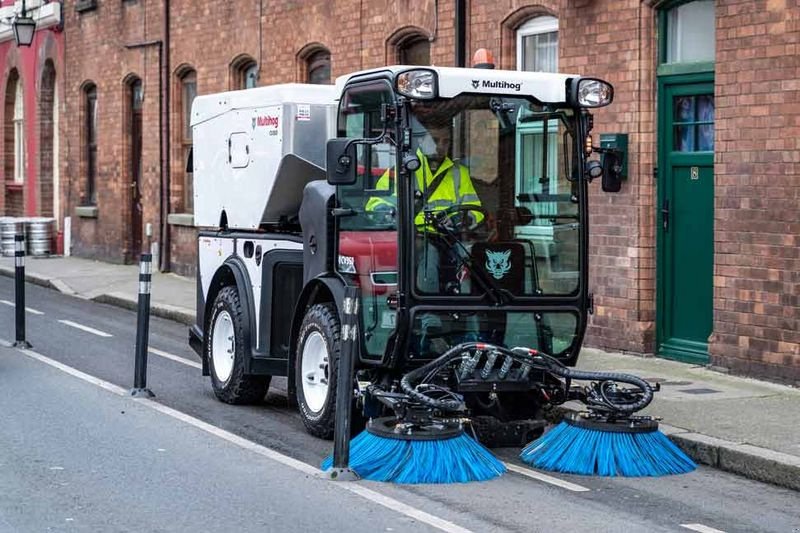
[
  {"x": 317, "y": 290},
  {"x": 231, "y": 273}
]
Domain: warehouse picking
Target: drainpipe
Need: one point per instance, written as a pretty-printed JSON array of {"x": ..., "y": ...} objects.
[
  {"x": 461, "y": 33},
  {"x": 164, "y": 256}
]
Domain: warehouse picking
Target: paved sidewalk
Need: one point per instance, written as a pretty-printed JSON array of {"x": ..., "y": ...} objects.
[{"x": 741, "y": 425}]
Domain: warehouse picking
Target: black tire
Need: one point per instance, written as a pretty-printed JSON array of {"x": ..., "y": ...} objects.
[
  {"x": 321, "y": 319},
  {"x": 237, "y": 388}
]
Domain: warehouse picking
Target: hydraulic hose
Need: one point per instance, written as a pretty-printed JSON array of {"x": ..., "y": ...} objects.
[{"x": 534, "y": 359}]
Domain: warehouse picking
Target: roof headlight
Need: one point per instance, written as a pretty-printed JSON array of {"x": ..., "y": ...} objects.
[
  {"x": 419, "y": 84},
  {"x": 592, "y": 92}
]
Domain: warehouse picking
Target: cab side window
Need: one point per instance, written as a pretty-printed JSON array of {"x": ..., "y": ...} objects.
[{"x": 360, "y": 118}]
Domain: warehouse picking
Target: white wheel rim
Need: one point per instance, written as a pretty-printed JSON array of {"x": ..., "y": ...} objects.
[
  {"x": 315, "y": 371},
  {"x": 223, "y": 346}
]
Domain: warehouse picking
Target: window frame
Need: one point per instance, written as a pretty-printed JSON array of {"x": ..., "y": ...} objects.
[
  {"x": 90, "y": 137},
  {"x": 538, "y": 25},
  {"x": 185, "y": 139},
  {"x": 19, "y": 133}
]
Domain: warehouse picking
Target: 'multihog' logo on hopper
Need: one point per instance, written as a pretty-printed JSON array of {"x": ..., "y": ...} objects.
[{"x": 265, "y": 121}]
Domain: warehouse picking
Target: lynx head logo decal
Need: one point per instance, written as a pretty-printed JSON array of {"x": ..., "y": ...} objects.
[
  {"x": 497, "y": 263},
  {"x": 475, "y": 83}
]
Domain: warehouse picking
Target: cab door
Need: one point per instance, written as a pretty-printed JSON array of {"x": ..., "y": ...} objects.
[{"x": 367, "y": 248}]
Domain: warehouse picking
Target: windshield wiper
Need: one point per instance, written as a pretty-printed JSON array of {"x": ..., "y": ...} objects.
[{"x": 499, "y": 295}]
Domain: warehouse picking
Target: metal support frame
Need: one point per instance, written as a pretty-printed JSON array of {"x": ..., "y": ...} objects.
[
  {"x": 19, "y": 290},
  {"x": 341, "y": 471},
  {"x": 140, "y": 389}
]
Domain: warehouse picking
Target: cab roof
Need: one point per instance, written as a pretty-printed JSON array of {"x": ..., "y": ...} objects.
[{"x": 451, "y": 81}]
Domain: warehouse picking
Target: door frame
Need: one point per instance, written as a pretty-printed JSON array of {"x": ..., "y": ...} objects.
[{"x": 692, "y": 76}]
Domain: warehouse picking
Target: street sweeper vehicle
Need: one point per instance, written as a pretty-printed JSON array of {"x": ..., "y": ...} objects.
[{"x": 445, "y": 211}]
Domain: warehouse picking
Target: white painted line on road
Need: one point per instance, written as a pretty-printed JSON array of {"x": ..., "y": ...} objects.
[
  {"x": 355, "y": 488},
  {"x": 110, "y": 387},
  {"x": 28, "y": 309},
  {"x": 172, "y": 357},
  {"x": 86, "y": 328},
  {"x": 547, "y": 479},
  {"x": 701, "y": 528}
]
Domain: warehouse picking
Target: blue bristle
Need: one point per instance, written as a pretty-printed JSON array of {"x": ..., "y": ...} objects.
[
  {"x": 455, "y": 460},
  {"x": 575, "y": 450}
]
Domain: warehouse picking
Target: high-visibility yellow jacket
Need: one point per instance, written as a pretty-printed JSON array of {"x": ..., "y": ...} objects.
[{"x": 455, "y": 188}]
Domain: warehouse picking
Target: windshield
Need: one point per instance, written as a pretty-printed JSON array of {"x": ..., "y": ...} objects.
[{"x": 496, "y": 210}]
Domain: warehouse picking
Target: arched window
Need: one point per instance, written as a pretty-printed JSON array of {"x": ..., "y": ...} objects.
[
  {"x": 318, "y": 67},
  {"x": 186, "y": 94},
  {"x": 244, "y": 73},
  {"x": 415, "y": 50},
  {"x": 90, "y": 142},
  {"x": 537, "y": 45}
]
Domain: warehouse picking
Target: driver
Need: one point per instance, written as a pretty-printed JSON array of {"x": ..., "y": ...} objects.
[{"x": 441, "y": 184}]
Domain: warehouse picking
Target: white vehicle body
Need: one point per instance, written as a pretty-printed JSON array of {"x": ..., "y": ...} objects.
[{"x": 264, "y": 210}]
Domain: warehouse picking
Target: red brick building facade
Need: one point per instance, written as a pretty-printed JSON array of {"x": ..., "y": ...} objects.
[
  {"x": 697, "y": 258},
  {"x": 30, "y": 85}
]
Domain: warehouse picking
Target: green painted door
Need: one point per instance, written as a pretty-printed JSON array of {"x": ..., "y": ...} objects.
[{"x": 686, "y": 218}]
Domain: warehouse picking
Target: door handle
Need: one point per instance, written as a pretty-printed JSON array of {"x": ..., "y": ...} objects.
[{"x": 665, "y": 214}]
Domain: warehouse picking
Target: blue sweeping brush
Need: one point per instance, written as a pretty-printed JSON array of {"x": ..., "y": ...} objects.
[
  {"x": 413, "y": 454},
  {"x": 582, "y": 445}
]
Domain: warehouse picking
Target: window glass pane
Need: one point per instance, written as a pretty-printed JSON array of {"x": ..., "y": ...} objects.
[
  {"x": 319, "y": 68},
  {"x": 690, "y": 32},
  {"x": 189, "y": 93},
  {"x": 705, "y": 138},
  {"x": 251, "y": 76},
  {"x": 684, "y": 138},
  {"x": 416, "y": 53},
  {"x": 91, "y": 116},
  {"x": 684, "y": 108},
  {"x": 137, "y": 95},
  {"x": 540, "y": 52},
  {"x": 705, "y": 108}
]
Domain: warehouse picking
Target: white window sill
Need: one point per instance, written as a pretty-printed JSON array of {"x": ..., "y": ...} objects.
[
  {"x": 180, "y": 219},
  {"x": 86, "y": 211}
]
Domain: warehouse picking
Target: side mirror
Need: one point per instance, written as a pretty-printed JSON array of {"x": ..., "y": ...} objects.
[
  {"x": 341, "y": 161},
  {"x": 611, "y": 162}
]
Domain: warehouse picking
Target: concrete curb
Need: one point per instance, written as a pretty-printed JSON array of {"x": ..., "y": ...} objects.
[
  {"x": 37, "y": 279},
  {"x": 170, "y": 312},
  {"x": 746, "y": 460}
]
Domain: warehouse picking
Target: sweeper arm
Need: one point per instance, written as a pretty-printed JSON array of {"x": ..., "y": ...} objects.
[{"x": 426, "y": 400}]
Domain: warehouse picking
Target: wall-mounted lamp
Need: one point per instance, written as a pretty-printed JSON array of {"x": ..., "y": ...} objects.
[{"x": 24, "y": 27}]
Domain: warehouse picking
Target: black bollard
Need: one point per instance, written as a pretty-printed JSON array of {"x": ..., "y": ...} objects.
[
  {"x": 140, "y": 389},
  {"x": 19, "y": 290},
  {"x": 341, "y": 470}
]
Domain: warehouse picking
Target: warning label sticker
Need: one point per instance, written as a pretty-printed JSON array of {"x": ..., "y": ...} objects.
[{"x": 303, "y": 112}]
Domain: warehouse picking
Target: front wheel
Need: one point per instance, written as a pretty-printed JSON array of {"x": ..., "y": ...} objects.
[
  {"x": 226, "y": 352},
  {"x": 316, "y": 365}
]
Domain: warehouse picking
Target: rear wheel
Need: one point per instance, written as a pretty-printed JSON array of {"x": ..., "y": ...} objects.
[
  {"x": 226, "y": 352},
  {"x": 316, "y": 365}
]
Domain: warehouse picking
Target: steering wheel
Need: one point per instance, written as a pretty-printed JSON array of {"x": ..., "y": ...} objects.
[{"x": 465, "y": 214}]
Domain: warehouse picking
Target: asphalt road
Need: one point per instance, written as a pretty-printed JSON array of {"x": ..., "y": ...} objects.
[{"x": 204, "y": 480}]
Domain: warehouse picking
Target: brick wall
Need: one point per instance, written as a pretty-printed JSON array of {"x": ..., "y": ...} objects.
[
  {"x": 757, "y": 233},
  {"x": 757, "y": 213},
  {"x": 97, "y": 53}
]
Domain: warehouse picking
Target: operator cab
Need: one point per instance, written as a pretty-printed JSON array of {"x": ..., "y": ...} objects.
[{"x": 461, "y": 208}]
